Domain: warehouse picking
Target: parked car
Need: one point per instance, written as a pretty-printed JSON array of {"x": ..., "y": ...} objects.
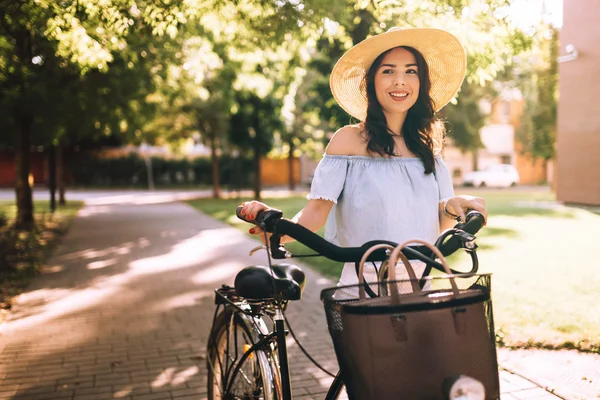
[{"x": 500, "y": 175}]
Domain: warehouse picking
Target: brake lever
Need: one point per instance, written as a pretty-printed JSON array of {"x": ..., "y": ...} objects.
[
  {"x": 467, "y": 239},
  {"x": 257, "y": 248},
  {"x": 280, "y": 253},
  {"x": 464, "y": 236}
]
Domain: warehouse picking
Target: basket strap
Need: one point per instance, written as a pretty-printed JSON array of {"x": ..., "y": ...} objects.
[
  {"x": 397, "y": 253},
  {"x": 409, "y": 269},
  {"x": 361, "y": 267}
]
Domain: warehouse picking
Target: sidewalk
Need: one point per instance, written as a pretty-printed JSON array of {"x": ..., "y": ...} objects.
[{"x": 123, "y": 310}]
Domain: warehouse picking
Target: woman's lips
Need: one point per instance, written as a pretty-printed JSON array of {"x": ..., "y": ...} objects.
[{"x": 399, "y": 96}]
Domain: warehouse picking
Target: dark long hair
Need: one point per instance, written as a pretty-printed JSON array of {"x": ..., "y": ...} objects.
[{"x": 422, "y": 133}]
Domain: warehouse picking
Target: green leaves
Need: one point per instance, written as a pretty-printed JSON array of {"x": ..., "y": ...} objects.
[
  {"x": 537, "y": 132},
  {"x": 254, "y": 121},
  {"x": 465, "y": 119},
  {"x": 129, "y": 66}
]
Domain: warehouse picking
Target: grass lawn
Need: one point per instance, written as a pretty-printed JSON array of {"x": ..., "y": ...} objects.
[
  {"x": 9, "y": 208},
  {"x": 545, "y": 273}
]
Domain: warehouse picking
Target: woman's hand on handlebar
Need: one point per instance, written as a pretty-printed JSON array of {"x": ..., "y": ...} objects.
[
  {"x": 249, "y": 211},
  {"x": 460, "y": 205}
]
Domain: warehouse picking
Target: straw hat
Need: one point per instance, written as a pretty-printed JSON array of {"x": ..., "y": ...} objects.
[{"x": 442, "y": 51}]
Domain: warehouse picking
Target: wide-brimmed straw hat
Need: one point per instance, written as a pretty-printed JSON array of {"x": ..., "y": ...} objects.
[{"x": 443, "y": 52}]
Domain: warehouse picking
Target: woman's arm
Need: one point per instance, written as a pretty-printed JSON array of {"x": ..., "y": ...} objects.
[
  {"x": 446, "y": 222},
  {"x": 346, "y": 141},
  {"x": 312, "y": 217}
]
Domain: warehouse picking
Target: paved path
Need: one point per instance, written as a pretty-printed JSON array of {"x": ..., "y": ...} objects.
[{"x": 123, "y": 310}]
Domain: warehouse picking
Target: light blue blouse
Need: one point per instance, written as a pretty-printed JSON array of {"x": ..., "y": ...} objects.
[{"x": 380, "y": 198}]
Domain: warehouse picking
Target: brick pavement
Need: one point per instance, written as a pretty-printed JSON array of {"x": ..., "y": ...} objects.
[{"x": 124, "y": 307}]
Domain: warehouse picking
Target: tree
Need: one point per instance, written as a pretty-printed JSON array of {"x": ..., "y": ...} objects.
[
  {"x": 299, "y": 132},
  {"x": 54, "y": 44},
  {"x": 117, "y": 68},
  {"x": 254, "y": 121},
  {"x": 212, "y": 119},
  {"x": 465, "y": 119},
  {"x": 258, "y": 46},
  {"x": 537, "y": 132},
  {"x": 354, "y": 26}
]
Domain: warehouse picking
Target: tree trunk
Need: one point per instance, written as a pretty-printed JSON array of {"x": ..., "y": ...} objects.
[
  {"x": 22, "y": 167},
  {"x": 215, "y": 168},
  {"x": 475, "y": 159},
  {"x": 60, "y": 179},
  {"x": 149, "y": 171},
  {"x": 52, "y": 176},
  {"x": 292, "y": 181},
  {"x": 257, "y": 180},
  {"x": 24, "y": 119}
]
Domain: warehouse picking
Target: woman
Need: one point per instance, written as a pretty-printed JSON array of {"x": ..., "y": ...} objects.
[{"x": 383, "y": 178}]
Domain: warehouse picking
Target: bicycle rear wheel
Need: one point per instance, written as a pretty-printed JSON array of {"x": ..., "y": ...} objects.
[{"x": 230, "y": 377}]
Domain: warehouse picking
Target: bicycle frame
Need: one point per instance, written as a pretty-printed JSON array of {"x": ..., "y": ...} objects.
[
  {"x": 264, "y": 340},
  {"x": 334, "y": 388},
  {"x": 277, "y": 336}
]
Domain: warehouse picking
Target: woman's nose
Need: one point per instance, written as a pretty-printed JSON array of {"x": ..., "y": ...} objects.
[{"x": 399, "y": 80}]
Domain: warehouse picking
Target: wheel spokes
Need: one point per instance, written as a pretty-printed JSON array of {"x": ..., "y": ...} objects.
[{"x": 247, "y": 383}]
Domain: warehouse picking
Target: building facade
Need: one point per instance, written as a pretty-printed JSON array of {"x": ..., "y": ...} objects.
[
  {"x": 500, "y": 145},
  {"x": 578, "y": 131}
]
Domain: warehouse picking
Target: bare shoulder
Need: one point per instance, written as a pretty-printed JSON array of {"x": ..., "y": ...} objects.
[{"x": 348, "y": 141}]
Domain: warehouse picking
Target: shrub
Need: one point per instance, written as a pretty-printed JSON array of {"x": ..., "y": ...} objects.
[{"x": 131, "y": 170}]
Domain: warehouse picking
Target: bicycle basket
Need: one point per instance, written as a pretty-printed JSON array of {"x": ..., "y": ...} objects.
[{"x": 404, "y": 345}]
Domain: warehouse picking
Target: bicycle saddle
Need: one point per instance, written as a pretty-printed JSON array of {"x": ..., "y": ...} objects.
[{"x": 256, "y": 282}]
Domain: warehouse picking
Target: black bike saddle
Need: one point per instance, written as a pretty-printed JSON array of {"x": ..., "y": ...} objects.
[{"x": 257, "y": 282}]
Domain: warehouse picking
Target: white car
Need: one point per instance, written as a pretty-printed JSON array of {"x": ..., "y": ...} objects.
[{"x": 500, "y": 175}]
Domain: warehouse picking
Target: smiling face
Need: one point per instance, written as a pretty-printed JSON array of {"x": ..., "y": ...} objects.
[{"x": 397, "y": 82}]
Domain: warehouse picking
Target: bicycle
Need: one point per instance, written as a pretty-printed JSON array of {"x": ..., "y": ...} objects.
[{"x": 248, "y": 360}]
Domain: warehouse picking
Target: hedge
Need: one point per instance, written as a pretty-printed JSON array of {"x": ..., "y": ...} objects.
[{"x": 86, "y": 170}]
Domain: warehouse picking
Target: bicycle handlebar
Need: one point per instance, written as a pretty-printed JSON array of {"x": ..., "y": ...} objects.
[{"x": 272, "y": 221}]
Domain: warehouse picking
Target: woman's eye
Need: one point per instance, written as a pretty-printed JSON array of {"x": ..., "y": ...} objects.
[
  {"x": 411, "y": 71},
  {"x": 387, "y": 71}
]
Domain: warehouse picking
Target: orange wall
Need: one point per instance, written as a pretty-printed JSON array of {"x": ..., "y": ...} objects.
[
  {"x": 516, "y": 109},
  {"x": 578, "y": 141},
  {"x": 531, "y": 171},
  {"x": 276, "y": 172}
]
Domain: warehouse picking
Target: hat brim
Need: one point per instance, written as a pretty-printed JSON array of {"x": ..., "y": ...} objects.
[{"x": 443, "y": 52}]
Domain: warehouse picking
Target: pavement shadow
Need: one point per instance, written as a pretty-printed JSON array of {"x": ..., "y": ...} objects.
[{"x": 125, "y": 317}]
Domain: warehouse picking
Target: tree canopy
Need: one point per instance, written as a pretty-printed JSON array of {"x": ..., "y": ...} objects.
[
  {"x": 537, "y": 132},
  {"x": 146, "y": 71}
]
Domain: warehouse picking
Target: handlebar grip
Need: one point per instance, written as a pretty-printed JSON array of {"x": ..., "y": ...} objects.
[
  {"x": 238, "y": 213},
  {"x": 474, "y": 222},
  {"x": 262, "y": 217}
]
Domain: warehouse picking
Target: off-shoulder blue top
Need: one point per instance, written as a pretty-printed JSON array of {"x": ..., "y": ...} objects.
[{"x": 380, "y": 198}]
